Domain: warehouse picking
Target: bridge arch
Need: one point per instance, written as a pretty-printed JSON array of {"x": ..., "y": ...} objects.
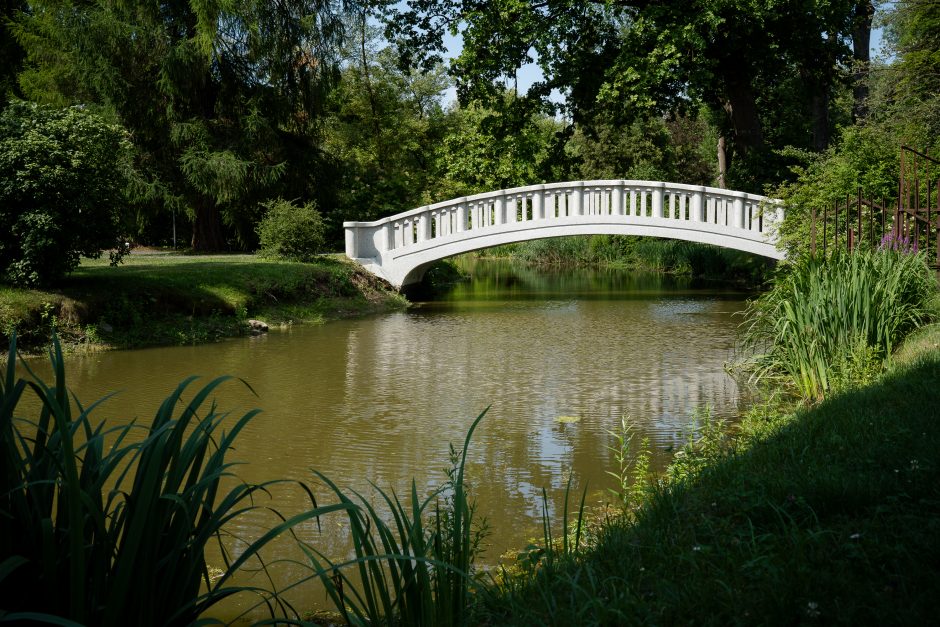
[{"x": 400, "y": 248}]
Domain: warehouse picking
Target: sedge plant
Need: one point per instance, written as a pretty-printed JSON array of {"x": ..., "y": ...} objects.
[
  {"x": 827, "y": 323},
  {"x": 109, "y": 525},
  {"x": 416, "y": 569}
]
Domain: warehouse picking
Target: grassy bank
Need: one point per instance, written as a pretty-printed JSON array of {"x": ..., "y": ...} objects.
[
  {"x": 178, "y": 299},
  {"x": 826, "y": 515}
]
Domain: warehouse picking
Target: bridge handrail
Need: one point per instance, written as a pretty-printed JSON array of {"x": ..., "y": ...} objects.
[{"x": 649, "y": 185}]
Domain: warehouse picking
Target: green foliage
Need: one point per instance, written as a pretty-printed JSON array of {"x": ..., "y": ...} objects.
[
  {"x": 63, "y": 173},
  {"x": 418, "y": 570},
  {"x": 913, "y": 82},
  {"x": 291, "y": 232},
  {"x": 112, "y": 523},
  {"x": 770, "y": 72},
  {"x": 706, "y": 442},
  {"x": 384, "y": 128},
  {"x": 827, "y": 515},
  {"x": 642, "y": 253},
  {"x": 477, "y": 156},
  {"x": 223, "y": 100},
  {"x": 681, "y": 150},
  {"x": 826, "y": 324},
  {"x": 633, "y": 471},
  {"x": 866, "y": 158}
]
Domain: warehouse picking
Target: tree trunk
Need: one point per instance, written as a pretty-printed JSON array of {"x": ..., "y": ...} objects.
[
  {"x": 861, "y": 53},
  {"x": 741, "y": 107},
  {"x": 722, "y": 163},
  {"x": 207, "y": 227}
]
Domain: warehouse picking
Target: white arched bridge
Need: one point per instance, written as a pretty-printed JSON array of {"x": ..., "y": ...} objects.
[{"x": 400, "y": 248}]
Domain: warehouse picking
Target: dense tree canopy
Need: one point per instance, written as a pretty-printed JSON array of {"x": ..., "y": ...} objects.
[
  {"x": 218, "y": 95},
  {"x": 770, "y": 68},
  {"x": 231, "y": 106},
  {"x": 63, "y": 174}
]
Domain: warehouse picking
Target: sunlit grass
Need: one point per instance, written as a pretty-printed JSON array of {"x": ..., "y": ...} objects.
[{"x": 171, "y": 299}]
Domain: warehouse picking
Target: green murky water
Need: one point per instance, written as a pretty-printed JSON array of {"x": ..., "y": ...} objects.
[{"x": 558, "y": 356}]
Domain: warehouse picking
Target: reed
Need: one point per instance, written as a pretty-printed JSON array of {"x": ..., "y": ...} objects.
[
  {"x": 827, "y": 324},
  {"x": 416, "y": 569},
  {"x": 100, "y": 526}
]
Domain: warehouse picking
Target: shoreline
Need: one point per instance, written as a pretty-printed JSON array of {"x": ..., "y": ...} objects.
[{"x": 172, "y": 299}]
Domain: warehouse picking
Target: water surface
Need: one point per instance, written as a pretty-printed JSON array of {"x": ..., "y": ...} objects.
[{"x": 379, "y": 399}]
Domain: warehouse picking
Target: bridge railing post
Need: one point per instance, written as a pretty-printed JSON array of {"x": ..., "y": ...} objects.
[
  {"x": 424, "y": 227},
  {"x": 616, "y": 199},
  {"x": 738, "y": 219},
  {"x": 461, "y": 215},
  {"x": 577, "y": 199},
  {"x": 658, "y": 200},
  {"x": 538, "y": 203},
  {"x": 698, "y": 208},
  {"x": 351, "y": 249}
]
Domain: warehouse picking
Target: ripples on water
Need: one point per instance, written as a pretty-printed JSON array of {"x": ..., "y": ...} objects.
[{"x": 379, "y": 399}]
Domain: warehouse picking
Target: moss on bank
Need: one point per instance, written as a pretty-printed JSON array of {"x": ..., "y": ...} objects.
[
  {"x": 177, "y": 299},
  {"x": 822, "y": 515}
]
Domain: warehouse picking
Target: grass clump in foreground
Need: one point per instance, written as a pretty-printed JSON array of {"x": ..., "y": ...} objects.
[
  {"x": 108, "y": 526},
  {"x": 826, "y": 514},
  {"x": 178, "y": 299}
]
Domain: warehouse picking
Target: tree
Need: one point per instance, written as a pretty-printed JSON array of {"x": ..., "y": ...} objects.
[
  {"x": 617, "y": 61},
  {"x": 63, "y": 173},
  {"x": 383, "y": 129},
  {"x": 473, "y": 158},
  {"x": 913, "y": 84},
  {"x": 11, "y": 54},
  {"x": 223, "y": 100}
]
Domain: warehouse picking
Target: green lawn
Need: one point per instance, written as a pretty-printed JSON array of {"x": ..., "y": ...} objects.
[{"x": 169, "y": 299}]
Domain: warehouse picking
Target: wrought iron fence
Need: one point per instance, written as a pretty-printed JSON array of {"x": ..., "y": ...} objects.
[{"x": 910, "y": 223}]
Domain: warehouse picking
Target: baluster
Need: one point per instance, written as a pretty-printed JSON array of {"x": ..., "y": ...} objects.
[
  {"x": 697, "y": 206},
  {"x": 577, "y": 198},
  {"x": 658, "y": 202},
  {"x": 738, "y": 221},
  {"x": 616, "y": 200},
  {"x": 424, "y": 227},
  {"x": 461, "y": 215},
  {"x": 538, "y": 204}
]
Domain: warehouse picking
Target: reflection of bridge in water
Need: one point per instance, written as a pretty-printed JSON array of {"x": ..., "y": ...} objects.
[{"x": 400, "y": 248}]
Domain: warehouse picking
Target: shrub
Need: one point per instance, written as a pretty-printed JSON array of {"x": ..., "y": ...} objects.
[
  {"x": 828, "y": 324},
  {"x": 63, "y": 174},
  {"x": 291, "y": 232}
]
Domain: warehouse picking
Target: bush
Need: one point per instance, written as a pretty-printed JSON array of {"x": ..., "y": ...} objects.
[
  {"x": 63, "y": 174},
  {"x": 291, "y": 232}
]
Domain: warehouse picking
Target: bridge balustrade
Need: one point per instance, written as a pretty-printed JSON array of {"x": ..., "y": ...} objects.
[{"x": 696, "y": 213}]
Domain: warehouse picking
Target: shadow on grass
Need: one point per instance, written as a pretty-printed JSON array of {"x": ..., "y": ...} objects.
[{"x": 831, "y": 517}]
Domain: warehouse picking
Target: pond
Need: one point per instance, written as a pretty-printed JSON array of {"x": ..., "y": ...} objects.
[{"x": 557, "y": 356}]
